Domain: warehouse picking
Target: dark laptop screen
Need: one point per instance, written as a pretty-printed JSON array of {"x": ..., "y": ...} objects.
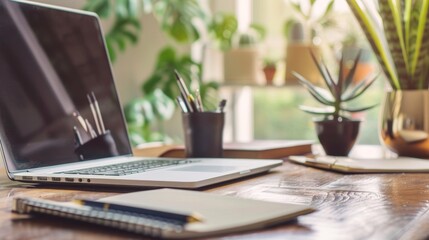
[{"x": 58, "y": 102}]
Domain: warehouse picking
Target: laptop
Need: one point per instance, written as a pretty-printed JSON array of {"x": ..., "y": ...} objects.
[{"x": 60, "y": 116}]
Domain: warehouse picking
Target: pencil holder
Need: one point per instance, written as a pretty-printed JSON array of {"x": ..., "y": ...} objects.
[
  {"x": 101, "y": 146},
  {"x": 203, "y": 132}
]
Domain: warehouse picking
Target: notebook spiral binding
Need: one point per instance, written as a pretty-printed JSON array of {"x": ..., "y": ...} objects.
[{"x": 135, "y": 223}]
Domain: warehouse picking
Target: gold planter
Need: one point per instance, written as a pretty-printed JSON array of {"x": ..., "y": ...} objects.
[{"x": 405, "y": 123}]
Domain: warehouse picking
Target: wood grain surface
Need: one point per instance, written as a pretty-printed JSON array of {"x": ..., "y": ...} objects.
[{"x": 349, "y": 206}]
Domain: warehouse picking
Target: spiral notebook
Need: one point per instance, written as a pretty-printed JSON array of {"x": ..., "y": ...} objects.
[{"x": 217, "y": 214}]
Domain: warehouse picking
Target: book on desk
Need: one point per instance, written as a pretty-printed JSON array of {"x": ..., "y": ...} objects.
[
  {"x": 159, "y": 213},
  {"x": 261, "y": 149}
]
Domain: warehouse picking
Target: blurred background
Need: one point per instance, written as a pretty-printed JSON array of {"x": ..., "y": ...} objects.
[{"x": 227, "y": 49}]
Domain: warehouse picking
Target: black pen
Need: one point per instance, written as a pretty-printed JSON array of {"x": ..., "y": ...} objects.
[{"x": 185, "y": 218}]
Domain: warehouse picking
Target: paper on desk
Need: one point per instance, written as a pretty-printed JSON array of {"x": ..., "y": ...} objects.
[{"x": 354, "y": 165}]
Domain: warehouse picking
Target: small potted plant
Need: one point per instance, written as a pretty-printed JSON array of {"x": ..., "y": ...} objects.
[
  {"x": 337, "y": 132},
  {"x": 269, "y": 70}
]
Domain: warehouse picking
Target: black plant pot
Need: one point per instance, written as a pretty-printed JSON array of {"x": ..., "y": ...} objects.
[{"x": 337, "y": 136}]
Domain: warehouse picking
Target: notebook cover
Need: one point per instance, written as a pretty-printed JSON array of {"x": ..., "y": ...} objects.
[
  {"x": 353, "y": 165},
  {"x": 260, "y": 149},
  {"x": 221, "y": 214}
]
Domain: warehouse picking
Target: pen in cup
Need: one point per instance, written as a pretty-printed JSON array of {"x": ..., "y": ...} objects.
[
  {"x": 199, "y": 102},
  {"x": 187, "y": 97},
  {"x": 182, "y": 104}
]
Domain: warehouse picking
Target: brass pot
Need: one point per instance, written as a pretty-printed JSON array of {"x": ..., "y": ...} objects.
[{"x": 404, "y": 127}]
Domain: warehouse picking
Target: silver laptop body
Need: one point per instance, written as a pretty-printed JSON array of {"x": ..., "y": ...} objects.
[{"x": 60, "y": 117}]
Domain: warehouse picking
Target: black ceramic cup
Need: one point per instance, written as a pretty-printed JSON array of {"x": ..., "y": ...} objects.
[{"x": 203, "y": 132}]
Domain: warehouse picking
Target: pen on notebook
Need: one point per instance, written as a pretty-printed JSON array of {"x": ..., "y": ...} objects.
[
  {"x": 186, "y": 218},
  {"x": 97, "y": 109},
  {"x": 222, "y": 105},
  {"x": 94, "y": 113},
  {"x": 77, "y": 137}
]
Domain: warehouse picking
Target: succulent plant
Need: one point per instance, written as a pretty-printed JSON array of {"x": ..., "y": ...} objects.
[{"x": 338, "y": 92}]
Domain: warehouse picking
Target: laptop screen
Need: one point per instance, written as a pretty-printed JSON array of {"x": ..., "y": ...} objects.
[{"x": 58, "y": 101}]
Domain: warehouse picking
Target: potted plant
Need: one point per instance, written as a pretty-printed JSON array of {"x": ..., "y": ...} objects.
[
  {"x": 269, "y": 70},
  {"x": 337, "y": 132},
  {"x": 242, "y": 61},
  {"x": 303, "y": 34},
  {"x": 400, "y": 43}
]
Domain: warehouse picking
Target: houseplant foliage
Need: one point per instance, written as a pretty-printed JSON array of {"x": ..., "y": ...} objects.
[
  {"x": 338, "y": 92},
  {"x": 181, "y": 20},
  {"x": 399, "y": 36},
  {"x": 163, "y": 78},
  {"x": 312, "y": 23},
  {"x": 336, "y": 131},
  {"x": 145, "y": 117},
  {"x": 178, "y": 18},
  {"x": 400, "y": 41}
]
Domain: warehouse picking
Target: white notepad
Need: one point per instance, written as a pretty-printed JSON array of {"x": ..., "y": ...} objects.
[
  {"x": 219, "y": 214},
  {"x": 353, "y": 165}
]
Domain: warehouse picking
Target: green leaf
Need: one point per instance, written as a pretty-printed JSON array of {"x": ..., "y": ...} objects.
[
  {"x": 223, "y": 27},
  {"x": 351, "y": 74},
  {"x": 359, "y": 89},
  {"x": 392, "y": 23},
  {"x": 163, "y": 106},
  {"x": 326, "y": 76},
  {"x": 178, "y": 18},
  {"x": 320, "y": 94},
  {"x": 298, "y": 9},
  {"x": 102, "y": 7},
  {"x": 110, "y": 49},
  {"x": 359, "y": 109},
  {"x": 287, "y": 27},
  {"x": 420, "y": 34},
  {"x": 318, "y": 111},
  {"x": 139, "y": 111},
  {"x": 374, "y": 39},
  {"x": 260, "y": 29},
  {"x": 123, "y": 31},
  {"x": 328, "y": 9}
]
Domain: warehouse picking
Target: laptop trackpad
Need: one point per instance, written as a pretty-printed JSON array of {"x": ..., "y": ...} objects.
[{"x": 206, "y": 168}]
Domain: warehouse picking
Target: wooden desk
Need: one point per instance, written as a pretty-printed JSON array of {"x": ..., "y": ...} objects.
[{"x": 360, "y": 206}]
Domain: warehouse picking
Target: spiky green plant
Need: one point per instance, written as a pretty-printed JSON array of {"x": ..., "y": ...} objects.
[
  {"x": 337, "y": 92},
  {"x": 400, "y": 41}
]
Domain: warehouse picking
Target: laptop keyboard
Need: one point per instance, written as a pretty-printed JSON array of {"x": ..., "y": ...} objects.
[{"x": 128, "y": 168}]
